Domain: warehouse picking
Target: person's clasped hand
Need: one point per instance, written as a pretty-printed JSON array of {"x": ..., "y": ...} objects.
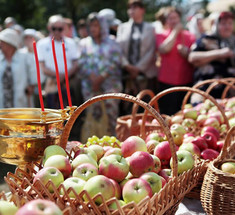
[{"x": 96, "y": 81}]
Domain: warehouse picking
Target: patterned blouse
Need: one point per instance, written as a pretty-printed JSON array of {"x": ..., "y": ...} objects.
[{"x": 100, "y": 59}]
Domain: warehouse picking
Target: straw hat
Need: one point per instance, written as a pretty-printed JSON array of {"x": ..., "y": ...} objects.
[{"x": 11, "y": 37}]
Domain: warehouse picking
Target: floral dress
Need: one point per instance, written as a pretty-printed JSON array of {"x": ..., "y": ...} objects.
[{"x": 101, "y": 59}]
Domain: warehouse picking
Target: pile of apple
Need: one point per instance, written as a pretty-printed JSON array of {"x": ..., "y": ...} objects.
[
  {"x": 129, "y": 173},
  {"x": 201, "y": 129},
  {"x": 34, "y": 207}
]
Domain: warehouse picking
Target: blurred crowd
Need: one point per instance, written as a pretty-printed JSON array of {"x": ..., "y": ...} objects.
[{"x": 106, "y": 55}]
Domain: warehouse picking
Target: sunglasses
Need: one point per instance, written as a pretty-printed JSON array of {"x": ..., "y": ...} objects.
[{"x": 60, "y": 29}]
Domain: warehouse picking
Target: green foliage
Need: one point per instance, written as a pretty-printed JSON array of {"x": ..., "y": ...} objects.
[{"x": 35, "y": 13}]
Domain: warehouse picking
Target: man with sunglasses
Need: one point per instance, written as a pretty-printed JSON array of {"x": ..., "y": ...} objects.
[{"x": 56, "y": 30}]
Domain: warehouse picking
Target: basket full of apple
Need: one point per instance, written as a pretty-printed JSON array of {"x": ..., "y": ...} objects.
[
  {"x": 200, "y": 129},
  {"x": 218, "y": 188},
  {"x": 106, "y": 176}
]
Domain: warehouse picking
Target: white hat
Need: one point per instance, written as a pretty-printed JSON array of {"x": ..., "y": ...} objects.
[
  {"x": 11, "y": 37},
  {"x": 31, "y": 32}
]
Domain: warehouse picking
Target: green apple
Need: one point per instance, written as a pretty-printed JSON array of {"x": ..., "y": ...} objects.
[
  {"x": 98, "y": 150},
  {"x": 154, "y": 180},
  {"x": 87, "y": 151},
  {"x": 53, "y": 150},
  {"x": 115, "y": 151},
  {"x": 7, "y": 208},
  {"x": 49, "y": 173},
  {"x": 228, "y": 167},
  {"x": 83, "y": 158},
  {"x": 190, "y": 113},
  {"x": 177, "y": 132},
  {"x": 185, "y": 161},
  {"x": 99, "y": 184},
  {"x": 177, "y": 119},
  {"x": 61, "y": 163},
  {"x": 76, "y": 183},
  {"x": 136, "y": 190},
  {"x": 190, "y": 147},
  {"x": 114, "y": 167},
  {"x": 85, "y": 171},
  {"x": 113, "y": 205}
]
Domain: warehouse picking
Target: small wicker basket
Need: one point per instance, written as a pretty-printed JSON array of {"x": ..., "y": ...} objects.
[
  {"x": 129, "y": 125},
  {"x": 218, "y": 188}
]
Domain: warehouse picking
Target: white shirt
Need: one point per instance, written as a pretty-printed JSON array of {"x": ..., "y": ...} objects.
[
  {"x": 44, "y": 47},
  {"x": 21, "y": 70}
]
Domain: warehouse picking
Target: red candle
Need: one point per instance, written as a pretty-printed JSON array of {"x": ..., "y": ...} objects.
[
  {"x": 66, "y": 75},
  {"x": 57, "y": 75},
  {"x": 38, "y": 76}
]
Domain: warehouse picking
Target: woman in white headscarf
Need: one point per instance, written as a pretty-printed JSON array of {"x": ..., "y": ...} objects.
[
  {"x": 100, "y": 65},
  {"x": 195, "y": 25}
]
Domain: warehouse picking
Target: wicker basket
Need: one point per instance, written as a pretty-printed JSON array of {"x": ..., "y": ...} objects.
[
  {"x": 165, "y": 202},
  {"x": 218, "y": 188},
  {"x": 195, "y": 192},
  {"x": 228, "y": 82},
  {"x": 19, "y": 202},
  {"x": 128, "y": 125}
]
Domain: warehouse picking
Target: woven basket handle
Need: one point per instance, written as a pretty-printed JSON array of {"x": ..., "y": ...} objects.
[
  {"x": 213, "y": 82},
  {"x": 135, "y": 107},
  {"x": 125, "y": 97},
  {"x": 187, "y": 89},
  {"x": 227, "y": 143}
]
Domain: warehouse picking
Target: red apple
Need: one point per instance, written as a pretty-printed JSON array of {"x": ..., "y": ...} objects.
[
  {"x": 117, "y": 188},
  {"x": 140, "y": 162},
  {"x": 39, "y": 207},
  {"x": 99, "y": 184},
  {"x": 61, "y": 163},
  {"x": 163, "y": 152},
  {"x": 209, "y": 154},
  {"x": 210, "y": 139},
  {"x": 163, "y": 181},
  {"x": 114, "y": 167},
  {"x": 133, "y": 144},
  {"x": 166, "y": 174},
  {"x": 157, "y": 164},
  {"x": 211, "y": 130},
  {"x": 106, "y": 148},
  {"x": 200, "y": 142},
  {"x": 189, "y": 135},
  {"x": 49, "y": 173},
  {"x": 220, "y": 145},
  {"x": 218, "y": 116},
  {"x": 136, "y": 190}
]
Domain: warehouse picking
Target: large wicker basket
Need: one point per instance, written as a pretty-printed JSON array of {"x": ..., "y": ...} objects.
[
  {"x": 165, "y": 202},
  {"x": 195, "y": 192},
  {"x": 218, "y": 188}
]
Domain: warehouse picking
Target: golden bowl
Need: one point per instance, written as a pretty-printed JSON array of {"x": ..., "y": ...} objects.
[{"x": 26, "y": 132}]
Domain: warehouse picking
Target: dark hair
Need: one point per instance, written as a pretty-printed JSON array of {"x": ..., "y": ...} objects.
[
  {"x": 137, "y": 3},
  {"x": 160, "y": 15},
  {"x": 81, "y": 23},
  {"x": 92, "y": 17},
  {"x": 169, "y": 10}
]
